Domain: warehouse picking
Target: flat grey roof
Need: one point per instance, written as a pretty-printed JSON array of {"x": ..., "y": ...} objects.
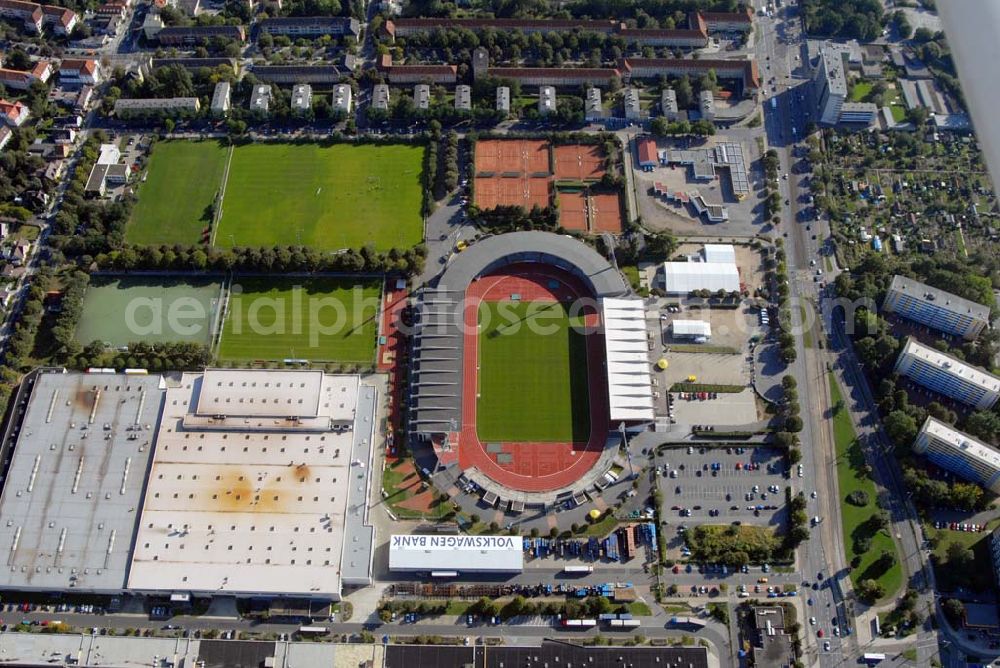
[
  {"x": 72, "y": 496},
  {"x": 940, "y": 298},
  {"x": 436, "y": 383}
]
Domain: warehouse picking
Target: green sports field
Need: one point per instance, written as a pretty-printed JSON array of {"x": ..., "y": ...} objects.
[
  {"x": 324, "y": 196},
  {"x": 183, "y": 178},
  {"x": 319, "y": 319},
  {"x": 123, "y": 310},
  {"x": 532, "y": 374}
]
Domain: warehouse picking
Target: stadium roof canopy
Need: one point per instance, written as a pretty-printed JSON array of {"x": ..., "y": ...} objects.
[
  {"x": 630, "y": 387},
  {"x": 685, "y": 277}
]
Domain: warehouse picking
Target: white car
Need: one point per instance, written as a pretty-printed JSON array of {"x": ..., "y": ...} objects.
[
  {"x": 812, "y": 621},
  {"x": 813, "y": 495},
  {"x": 826, "y": 646}
]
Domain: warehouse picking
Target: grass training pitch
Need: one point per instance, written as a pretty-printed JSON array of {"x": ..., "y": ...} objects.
[
  {"x": 532, "y": 384},
  {"x": 324, "y": 196},
  {"x": 319, "y": 319},
  {"x": 123, "y": 310},
  {"x": 173, "y": 203}
]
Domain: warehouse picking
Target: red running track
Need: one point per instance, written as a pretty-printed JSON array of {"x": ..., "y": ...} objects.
[{"x": 534, "y": 467}]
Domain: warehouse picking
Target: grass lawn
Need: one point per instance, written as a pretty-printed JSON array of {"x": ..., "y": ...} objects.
[
  {"x": 807, "y": 335},
  {"x": 183, "y": 178},
  {"x": 898, "y": 112},
  {"x": 400, "y": 483},
  {"x": 850, "y": 477},
  {"x": 532, "y": 374},
  {"x": 123, "y": 310},
  {"x": 324, "y": 196},
  {"x": 860, "y": 91},
  {"x": 639, "y": 609},
  {"x": 602, "y": 527},
  {"x": 320, "y": 319},
  {"x": 979, "y": 578}
]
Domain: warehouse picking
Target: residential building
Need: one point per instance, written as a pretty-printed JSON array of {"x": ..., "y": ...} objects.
[
  {"x": 422, "y": 96},
  {"x": 14, "y": 114},
  {"x": 463, "y": 97},
  {"x": 947, "y": 375},
  {"x": 221, "y": 99},
  {"x": 107, "y": 170},
  {"x": 744, "y": 72},
  {"x": 409, "y": 26},
  {"x": 706, "y": 105},
  {"x": 936, "y": 308},
  {"x": 503, "y": 99},
  {"x": 542, "y": 76},
  {"x": 863, "y": 113},
  {"x": 959, "y": 453},
  {"x": 646, "y": 153},
  {"x": 302, "y": 98},
  {"x": 380, "y": 96},
  {"x": 741, "y": 21},
  {"x": 546, "y": 100},
  {"x": 593, "y": 105},
  {"x": 342, "y": 98},
  {"x": 995, "y": 552},
  {"x": 80, "y": 71},
  {"x": 292, "y": 74},
  {"x": 6, "y": 134},
  {"x": 831, "y": 85},
  {"x": 260, "y": 99},
  {"x": 61, "y": 20},
  {"x": 632, "y": 105},
  {"x": 312, "y": 26},
  {"x": 22, "y": 79},
  {"x": 193, "y": 35},
  {"x": 674, "y": 39},
  {"x": 668, "y": 104},
  {"x": 152, "y": 25},
  {"x": 28, "y": 13},
  {"x": 83, "y": 99},
  {"x": 413, "y": 74},
  {"x": 168, "y": 106}
]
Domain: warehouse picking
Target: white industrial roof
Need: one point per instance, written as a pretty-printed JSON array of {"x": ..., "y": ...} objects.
[
  {"x": 962, "y": 441},
  {"x": 74, "y": 486},
  {"x": 436, "y": 552},
  {"x": 719, "y": 253},
  {"x": 630, "y": 387},
  {"x": 952, "y": 365},
  {"x": 244, "y": 509},
  {"x": 691, "y": 328},
  {"x": 684, "y": 277}
]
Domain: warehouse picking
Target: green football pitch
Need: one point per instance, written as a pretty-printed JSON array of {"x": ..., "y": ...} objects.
[
  {"x": 183, "y": 178},
  {"x": 318, "y": 319},
  {"x": 324, "y": 196},
  {"x": 532, "y": 374},
  {"x": 123, "y": 310}
]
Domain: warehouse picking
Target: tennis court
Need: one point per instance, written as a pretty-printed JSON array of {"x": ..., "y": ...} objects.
[
  {"x": 579, "y": 162},
  {"x": 524, "y": 192},
  {"x": 573, "y": 210},
  {"x": 605, "y": 213},
  {"x": 529, "y": 157}
]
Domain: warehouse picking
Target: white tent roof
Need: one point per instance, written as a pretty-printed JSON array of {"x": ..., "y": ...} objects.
[
  {"x": 691, "y": 328},
  {"x": 720, "y": 253},
  {"x": 630, "y": 387},
  {"x": 684, "y": 277}
]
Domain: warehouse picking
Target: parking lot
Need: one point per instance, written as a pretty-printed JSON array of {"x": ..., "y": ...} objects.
[
  {"x": 725, "y": 409},
  {"x": 721, "y": 486}
]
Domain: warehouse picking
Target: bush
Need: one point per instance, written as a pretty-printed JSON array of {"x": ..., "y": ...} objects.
[{"x": 858, "y": 497}]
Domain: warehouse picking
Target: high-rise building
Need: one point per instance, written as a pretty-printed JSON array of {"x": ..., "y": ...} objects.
[
  {"x": 936, "y": 308},
  {"x": 831, "y": 82},
  {"x": 947, "y": 375},
  {"x": 959, "y": 453}
]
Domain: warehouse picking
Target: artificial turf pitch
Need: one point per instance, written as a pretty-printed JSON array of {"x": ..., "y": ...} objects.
[
  {"x": 123, "y": 310},
  {"x": 532, "y": 384},
  {"x": 318, "y": 319},
  {"x": 183, "y": 178},
  {"x": 327, "y": 197}
]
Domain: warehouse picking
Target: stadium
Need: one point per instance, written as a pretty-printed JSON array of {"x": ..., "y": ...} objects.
[{"x": 528, "y": 355}]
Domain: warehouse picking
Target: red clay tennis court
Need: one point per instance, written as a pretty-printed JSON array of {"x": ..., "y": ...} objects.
[
  {"x": 605, "y": 213},
  {"x": 573, "y": 210},
  {"x": 499, "y": 191},
  {"x": 531, "y": 467},
  {"x": 579, "y": 162},
  {"x": 525, "y": 156}
]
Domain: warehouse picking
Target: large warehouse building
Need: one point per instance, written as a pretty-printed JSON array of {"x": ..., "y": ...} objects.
[
  {"x": 245, "y": 482},
  {"x": 437, "y": 553},
  {"x": 258, "y": 486},
  {"x": 713, "y": 269}
]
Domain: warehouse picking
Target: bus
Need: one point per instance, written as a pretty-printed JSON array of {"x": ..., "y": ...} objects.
[
  {"x": 444, "y": 574},
  {"x": 873, "y": 658},
  {"x": 625, "y": 623},
  {"x": 313, "y": 630},
  {"x": 579, "y": 623},
  {"x": 578, "y": 570}
]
